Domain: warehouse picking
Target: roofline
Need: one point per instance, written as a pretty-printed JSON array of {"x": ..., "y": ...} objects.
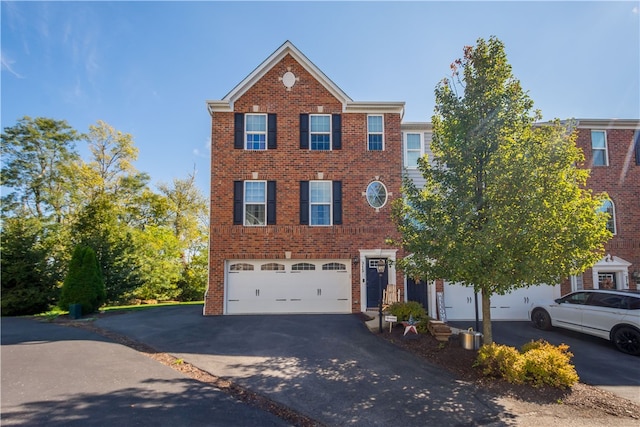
[
  {"x": 608, "y": 123},
  {"x": 416, "y": 126},
  {"x": 287, "y": 48}
]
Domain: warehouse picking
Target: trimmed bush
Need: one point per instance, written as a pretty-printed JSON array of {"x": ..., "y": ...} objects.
[
  {"x": 83, "y": 284},
  {"x": 404, "y": 310},
  {"x": 537, "y": 363}
]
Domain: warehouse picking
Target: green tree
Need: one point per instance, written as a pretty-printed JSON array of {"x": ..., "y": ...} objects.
[
  {"x": 83, "y": 284},
  {"x": 187, "y": 215},
  {"x": 504, "y": 204},
  {"x": 38, "y": 155},
  {"x": 97, "y": 225},
  {"x": 28, "y": 279}
]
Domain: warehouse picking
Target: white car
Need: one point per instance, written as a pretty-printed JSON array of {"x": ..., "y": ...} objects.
[{"x": 610, "y": 314}]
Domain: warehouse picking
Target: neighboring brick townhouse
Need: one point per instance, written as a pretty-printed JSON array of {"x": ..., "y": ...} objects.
[{"x": 302, "y": 180}]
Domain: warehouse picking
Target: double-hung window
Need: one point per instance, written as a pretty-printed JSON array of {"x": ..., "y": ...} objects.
[
  {"x": 375, "y": 132},
  {"x": 412, "y": 149},
  {"x": 599, "y": 148},
  {"x": 320, "y": 131},
  {"x": 254, "y": 203},
  {"x": 320, "y": 203},
  {"x": 255, "y": 131}
]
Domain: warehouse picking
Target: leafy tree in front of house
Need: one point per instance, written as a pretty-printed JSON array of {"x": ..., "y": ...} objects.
[
  {"x": 83, "y": 284},
  {"x": 504, "y": 205}
]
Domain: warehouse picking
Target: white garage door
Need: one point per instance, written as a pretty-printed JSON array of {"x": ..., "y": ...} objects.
[
  {"x": 288, "y": 286},
  {"x": 459, "y": 302}
]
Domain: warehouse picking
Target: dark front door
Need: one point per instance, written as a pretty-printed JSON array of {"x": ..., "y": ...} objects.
[
  {"x": 417, "y": 291},
  {"x": 374, "y": 282}
]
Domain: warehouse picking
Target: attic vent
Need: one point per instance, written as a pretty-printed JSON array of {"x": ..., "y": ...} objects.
[{"x": 289, "y": 79}]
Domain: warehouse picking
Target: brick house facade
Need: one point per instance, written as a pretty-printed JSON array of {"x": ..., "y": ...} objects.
[{"x": 289, "y": 130}]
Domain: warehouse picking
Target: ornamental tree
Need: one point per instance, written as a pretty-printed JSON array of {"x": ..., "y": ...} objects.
[{"x": 504, "y": 205}]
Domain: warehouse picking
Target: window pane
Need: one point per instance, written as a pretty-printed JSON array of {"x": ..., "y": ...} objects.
[
  {"x": 375, "y": 142},
  {"x": 376, "y": 194},
  {"x": 254, "y": 192},
  {"x": 412, "y": 158},
  {"x": 320, "y": 215},
  {"x": 375, "y": 123},
  {"x": 597, "y": 139},
  {"x": 320, "y": 192},
  {"x": 320, "y": 142},
  {"x": 255, "y": 215},
  {"x": 256, "y": 141},
  {"x": 599, "y": 158},
  {"x": 413, "y": 141},
  {"x": 256, "y": 123},
  {"x": 320, "y": 124}
]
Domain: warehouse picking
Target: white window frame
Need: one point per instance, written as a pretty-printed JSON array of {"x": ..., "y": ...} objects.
[
  {"x": 329, "y": 132},
  {"x": 407, "y": 150},
  {"x": 253, "y": 132},
  {"x": 597, "y": 149},
  {"x": 612, "y": 220},
  {"x": 245, "y": 203},
  {"x": 577, "y": 283},
  {"x": 371, "y": 133},
  {"x": 312, "y": 203}
]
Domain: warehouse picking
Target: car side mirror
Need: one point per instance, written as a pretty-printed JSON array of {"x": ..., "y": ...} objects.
[{"x": 559, "y": 301}]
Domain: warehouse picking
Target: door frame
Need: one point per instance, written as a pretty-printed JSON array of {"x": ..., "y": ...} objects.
[{"x": 390, "y": 255}]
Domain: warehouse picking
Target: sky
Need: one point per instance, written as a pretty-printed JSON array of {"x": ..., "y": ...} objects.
[{"x": 148, "y": 68}]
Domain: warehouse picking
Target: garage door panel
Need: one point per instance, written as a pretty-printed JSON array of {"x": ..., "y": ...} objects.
[
  {"x": 460, "y": 302},
  {"x": 288, "y": 291}
]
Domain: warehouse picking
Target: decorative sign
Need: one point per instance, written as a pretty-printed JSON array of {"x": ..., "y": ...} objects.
[
  {"x": 441, "y": 309},
  {"x": 390, "y": 318}
]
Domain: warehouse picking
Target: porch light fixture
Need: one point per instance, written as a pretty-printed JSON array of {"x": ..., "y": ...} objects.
[{"x": 381, "y": 267}]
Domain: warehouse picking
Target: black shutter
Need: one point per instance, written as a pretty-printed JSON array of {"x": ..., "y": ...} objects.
[
  {"x": 337, "y": 202},
  {"x": 304, "y": 202},
  {"x": 271, "y": 202},
  {"x": 238, "y": 136},
  {"x": 272, "y": 126},
  {"x": 238, "y": 202},
  {"x": 336, "y": 129},
  {"x": 304, "y": 131}
]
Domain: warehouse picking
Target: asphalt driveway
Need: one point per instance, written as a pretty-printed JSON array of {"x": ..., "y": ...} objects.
[
  {"x": 328, "y": 367},
  {"x": 63, "y": 376}
]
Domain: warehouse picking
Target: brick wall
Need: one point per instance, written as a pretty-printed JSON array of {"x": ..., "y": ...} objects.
[{"x": 362, "y": 227}]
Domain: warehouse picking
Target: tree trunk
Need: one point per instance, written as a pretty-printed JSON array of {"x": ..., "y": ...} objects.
[{"x": 486, "y": 318}]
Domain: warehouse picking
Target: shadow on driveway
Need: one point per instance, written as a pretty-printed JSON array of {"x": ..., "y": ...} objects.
[{"x": 329, "y": 367}]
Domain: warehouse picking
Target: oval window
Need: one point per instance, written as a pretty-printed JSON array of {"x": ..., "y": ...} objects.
[{"x": 377, "y": 194}]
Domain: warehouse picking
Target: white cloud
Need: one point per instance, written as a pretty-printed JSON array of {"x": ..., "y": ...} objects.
[
  {"x": 7, "y": 65},
  {"x": 635, "y": 10}
]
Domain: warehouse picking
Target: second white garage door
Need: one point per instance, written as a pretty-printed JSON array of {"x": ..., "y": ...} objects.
[{"x": 288, "y": 286}]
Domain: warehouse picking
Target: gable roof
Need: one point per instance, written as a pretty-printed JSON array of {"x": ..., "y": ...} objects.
[{"x": 287, "y": 48}]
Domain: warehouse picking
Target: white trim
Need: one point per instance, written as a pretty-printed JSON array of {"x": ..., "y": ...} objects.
[
  {"x": 311, "y": 203},
  {"x": 406, "y": 149},
  {"x": 612, "y": 264},
  {"x": 244, "y": 203},
  {"x": 330, "y": 132},
  {"x": 390, "y": 255},
  {"x": 265, "y": 132},
  {"x": 605, "y": 149}
]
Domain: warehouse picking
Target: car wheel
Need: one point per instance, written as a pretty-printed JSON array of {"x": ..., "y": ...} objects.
[
  {"x": 541, "y": 319},
  {"x": 627, "y": 340}
]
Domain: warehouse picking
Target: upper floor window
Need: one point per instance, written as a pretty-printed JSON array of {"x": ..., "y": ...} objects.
[
  {"x": 599, "y": 148},
  {"x": 320, "y": 203},
  {"x": 375, "y": 132},
  {"x": 254, "y": 203},
  {"x": 412, "y": 149},
  {"x": 253, "y": 131},
  {"x": 321, "y": 132},
  {"x": 609, "y": 208},
  {"x": 256, "y": 131},
  {"x": 376, "y": 194}
]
